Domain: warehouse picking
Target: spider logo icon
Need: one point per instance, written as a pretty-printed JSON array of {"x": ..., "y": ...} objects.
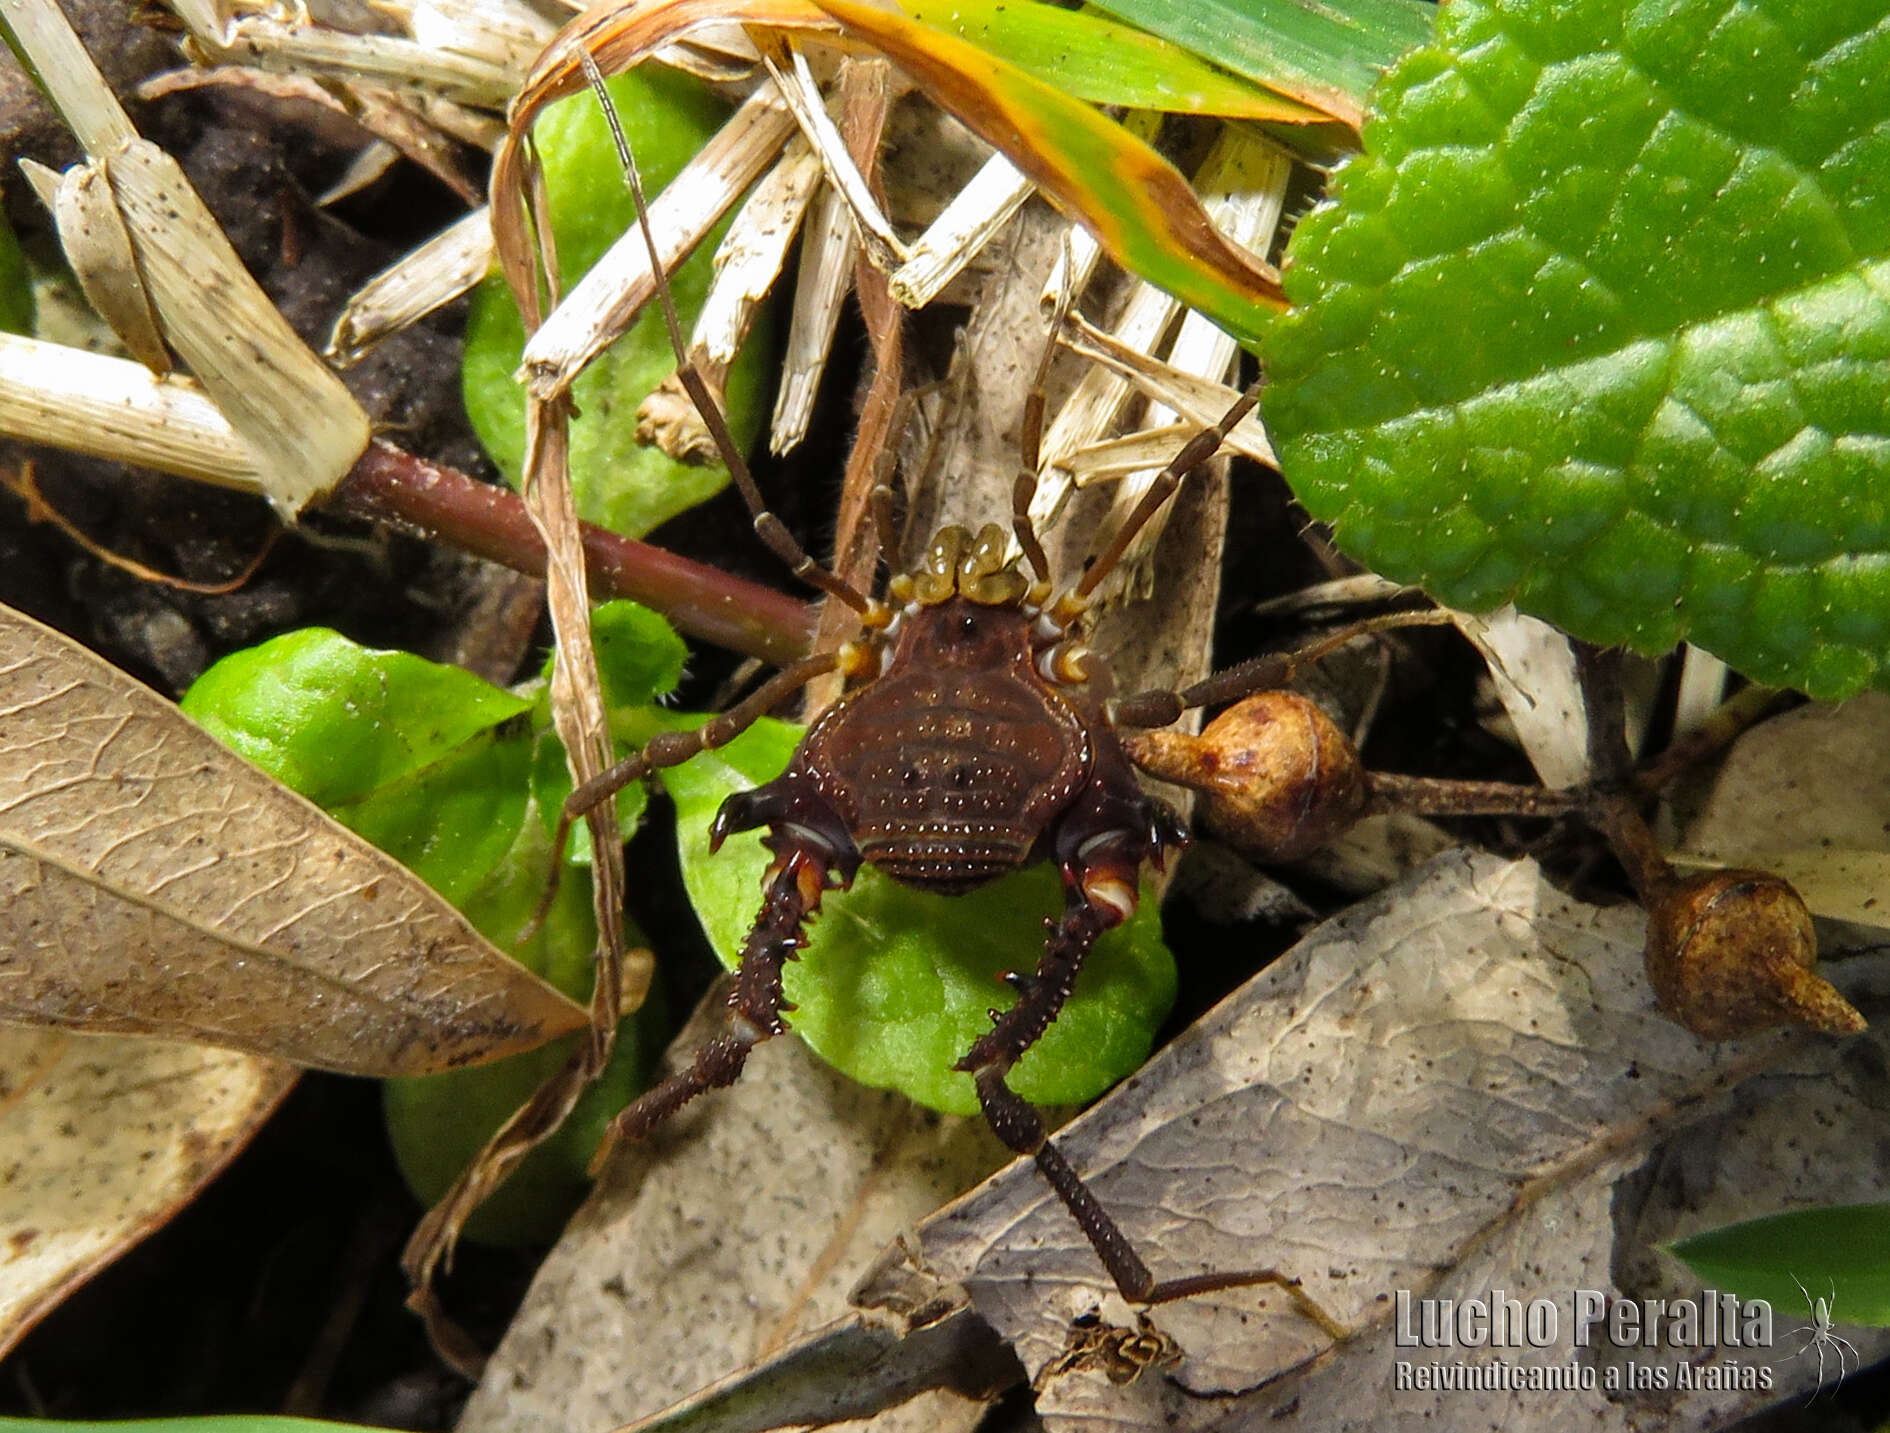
[{"x": 1823, "y": 1337}]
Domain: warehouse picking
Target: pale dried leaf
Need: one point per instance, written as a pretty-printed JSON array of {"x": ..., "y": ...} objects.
[
  {"x": 153, "y": 883},
  {"x": 436, "y": 273},
  {"x": 1242, "y": 185},
  {"x": 1442, "y": 1092},
  {"x": 371, "y": 164},
  {"x": 106, "y": 1138},
  {"x": 750, "y": 257},
  {"x": 1336, "y": 595},
  {"x": 1807, "y": 797},
  {"x": 959, "y": 234},
  {"x": 1703, "y": 680},
  {"x": 857, "y": 1374},
  {"x": 97, "y": 247},
  {"x": 1533, "y": 668},
  {"x": 820, "y": 291},
  {"x": 740, "y": 1224},
  {"x": 42, "y": 35},
  {"x": 747, "y": 263},
  {"x": 801, "y": 93},
  {"x": 393, "y": 62},
  {"x": 1201, "y": 402},
  {"x": 291, "y": 409},
  {"x": 507, "y": 33},
  {"x": 114, "y": 408},
  {"x": 392, "y": 118},
  {"x": 604, "y": 303}
]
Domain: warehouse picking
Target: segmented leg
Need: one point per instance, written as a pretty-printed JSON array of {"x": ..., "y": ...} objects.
[
  {"x": 1101, "y": 893},
  {"x": 1029, "y": 450},
  {"x": 672, "y": 748},
  {"x": 1276, "y": 669},
  {"x": 1194, "y": 453},
  {"x": 794, "y": 884},
  {"x": 768, "y": 527}
]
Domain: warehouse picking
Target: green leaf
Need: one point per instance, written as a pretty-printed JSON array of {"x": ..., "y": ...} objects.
[
  {"x": 895, "y": 985},
  {"x": 437, "y": 1123},
  {"x": 1327, "y": 55},
  {"x": 639, "y": 659},
  {"x": 639, "y": 655},
  {"x": 453, "y": 822},
  {"x": 619, "y": 483},
  {"x": 16, "y": 284},
  {"x": 1093, "y": 58},
  {"x": 1135, "y": 202},
  {"x": 1599, "y": 324},
  {"x": 1789, "y": 1259},
  {"x": 425, "y": 762},
  {"x": 335, "y": 720}
]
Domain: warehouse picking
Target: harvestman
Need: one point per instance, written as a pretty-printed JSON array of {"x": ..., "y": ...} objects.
[{"x": 976, "y": 735}]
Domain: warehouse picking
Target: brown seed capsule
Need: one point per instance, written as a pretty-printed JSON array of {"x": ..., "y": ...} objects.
[
  {"x": 1280, "y": 779},
  {"x": 1730, "y": 953}
]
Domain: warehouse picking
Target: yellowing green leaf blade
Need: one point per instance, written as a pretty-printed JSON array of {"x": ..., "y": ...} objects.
[
  {"x": 1326, "y": 55},
  {"x": 1136, "y": 203},
  {"x": 1091, "y": 57}
]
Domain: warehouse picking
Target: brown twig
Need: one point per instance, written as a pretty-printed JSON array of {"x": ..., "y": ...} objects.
[
  {"x": 1736, "y": 715},
  {"x": 440, "y": 504},
  {"x": 1442, "y": 796}
]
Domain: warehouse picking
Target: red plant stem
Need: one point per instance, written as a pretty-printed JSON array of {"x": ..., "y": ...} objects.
[{"x": 442, "y": 505}]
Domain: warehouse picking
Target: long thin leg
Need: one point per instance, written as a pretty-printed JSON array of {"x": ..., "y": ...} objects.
[
  {"x": 1030, "y": 447},
  {"x": 1276, "y": 669},
  {"x": 1194, "y": 453},
  {"x": 672, "y": 748},
  {"x": 1101, "y": 894},
  {"x": 794, "y": 884},
  {"x": 768, "y": 527}
]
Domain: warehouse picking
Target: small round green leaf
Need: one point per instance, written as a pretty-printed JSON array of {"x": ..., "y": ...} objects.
[
  {"x": 1600, "y": 323},
  {"x": 639, "y": 660},
  {"x": 895, "y": 985},
  {"x": 337, "y": 721}
]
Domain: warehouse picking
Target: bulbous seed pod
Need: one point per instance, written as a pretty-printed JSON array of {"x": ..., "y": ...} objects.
[
  {"x": 1281, "y": 780},
  {"x": 1730, "y": 953}
]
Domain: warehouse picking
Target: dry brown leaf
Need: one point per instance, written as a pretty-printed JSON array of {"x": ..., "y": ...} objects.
[
  {"x": 153, "y": 883},
  {"x": 1459, "y": 1085},
  {"x": 106, "y": 1138},
  {"x": 740, "y": 1224},
  {"x": 1806, "y": 796}
]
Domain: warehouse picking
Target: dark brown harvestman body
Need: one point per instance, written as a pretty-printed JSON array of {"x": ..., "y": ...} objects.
[{"x": 977, "y": 735}]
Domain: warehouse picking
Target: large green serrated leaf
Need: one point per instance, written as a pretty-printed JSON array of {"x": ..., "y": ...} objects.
[
  {"x": 896, "y": 984},
  {"x": 1600, "y": 323}
]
